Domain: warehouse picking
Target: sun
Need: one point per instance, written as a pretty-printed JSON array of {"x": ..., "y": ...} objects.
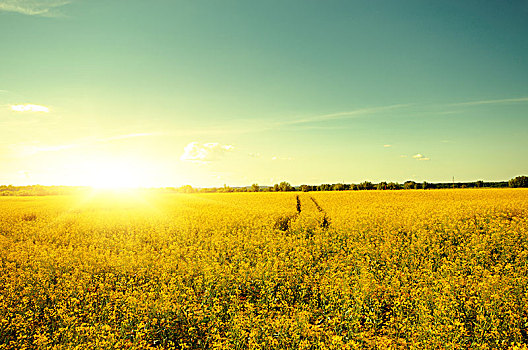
[{"x": 115, "y": 174}]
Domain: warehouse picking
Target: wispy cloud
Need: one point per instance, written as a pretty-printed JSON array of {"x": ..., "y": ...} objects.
[
  {"x": 342, "y": 115},
  {"x": 488, "y": 102},
  {"x": 207, "y": 152},
  {"x": 387, "y": 146},
  {"x": 419, "y": 156},
  {"x": 30, "y": 108},
  {"x": 43, "y": 8},
  {"x": 316, "y": 122}
]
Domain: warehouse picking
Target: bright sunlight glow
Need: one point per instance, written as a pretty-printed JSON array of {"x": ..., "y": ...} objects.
[{"x": 114, "y": 175}]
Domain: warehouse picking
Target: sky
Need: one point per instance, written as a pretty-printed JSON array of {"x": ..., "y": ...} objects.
[{"x": 167, "y": 93}]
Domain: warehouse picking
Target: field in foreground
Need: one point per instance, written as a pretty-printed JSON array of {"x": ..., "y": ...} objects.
[{"x": 365, "y": 269}]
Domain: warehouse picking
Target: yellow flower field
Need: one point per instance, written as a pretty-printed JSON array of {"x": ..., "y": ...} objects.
[{"x": 435, "y": 269}]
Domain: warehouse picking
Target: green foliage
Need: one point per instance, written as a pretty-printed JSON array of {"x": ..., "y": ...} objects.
[
  {"x": 394, "y": 186},
  {"x": 409, "y": 185},
  {"x": 285, "y": 187},
  {"x": 338, "y": 187},
  {"x": 325, "y": 187},
  {"x": 519, "y": 181},
  {"x": 382, "y": 186},
  {"x": 366, "y": 185},
  {"x": 305, "y": 188}
]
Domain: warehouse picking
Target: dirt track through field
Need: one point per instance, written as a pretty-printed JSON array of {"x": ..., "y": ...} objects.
[{"x": 325, "y": 223}]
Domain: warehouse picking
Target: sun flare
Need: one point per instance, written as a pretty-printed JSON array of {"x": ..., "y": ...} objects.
[{"x": 109, "y": 174}]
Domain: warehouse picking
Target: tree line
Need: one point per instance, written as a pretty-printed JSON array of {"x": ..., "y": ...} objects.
[
  {"x": 39, "y": 190},
  {"x": 519, "y": 181}
]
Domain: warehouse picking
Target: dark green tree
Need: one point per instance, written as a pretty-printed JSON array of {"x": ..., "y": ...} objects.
[
  {"x": 382, "y": 186},
  {"x": 366, "y": 185},
  {"x": 285, "y": 187},
  {"x": 409, "y": 185},
  {"x": 305, "y": 188},
  {"x": 338, "y": 187},
  {"x": 394, "y": 186},
  {"x": 325, "y": 187},
  {"x": 519, "y": 181}
]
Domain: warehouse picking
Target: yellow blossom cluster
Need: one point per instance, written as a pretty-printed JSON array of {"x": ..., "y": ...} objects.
[{"x": 435, "y": 269}]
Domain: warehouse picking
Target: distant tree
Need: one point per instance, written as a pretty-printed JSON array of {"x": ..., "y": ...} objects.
[
  {"x": 479, "y": 184},
  {"x": 338, "y": 187},
  {"x": 519, "y": 181},
  {"x": 276, "y": 188},
  {"x": 425, "y": 185},
  {"x": 325, "y": 187},
  {"x": 255, "y": 188},
  {"x": 366, "y": 185},
  {"x": 394, "y": 186},
  {"x": 285, "y": 187},
  {"x": 408, "y": 185},
  {"x": 186, "y": 189},
  {"x": 305, "y": 188},
  {"x": 382, "y": 186}
]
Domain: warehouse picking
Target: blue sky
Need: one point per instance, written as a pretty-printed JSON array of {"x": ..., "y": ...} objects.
[{"x": 164, "y": 93}]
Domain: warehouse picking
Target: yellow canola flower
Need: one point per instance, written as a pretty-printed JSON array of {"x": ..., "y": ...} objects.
[{"x": 361, "y": 269}]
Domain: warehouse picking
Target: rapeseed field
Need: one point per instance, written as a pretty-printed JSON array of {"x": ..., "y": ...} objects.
[{"x": 433, "y": 269}]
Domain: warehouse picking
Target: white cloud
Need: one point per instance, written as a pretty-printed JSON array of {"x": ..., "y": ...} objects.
[
  {"x": 43, "y": 8},
  {"x": 254, "y": 155},
  {"x": 207, "y": 152},
  {"x": 419, "y": 156},
  {"x": 29, "y": 108}
]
